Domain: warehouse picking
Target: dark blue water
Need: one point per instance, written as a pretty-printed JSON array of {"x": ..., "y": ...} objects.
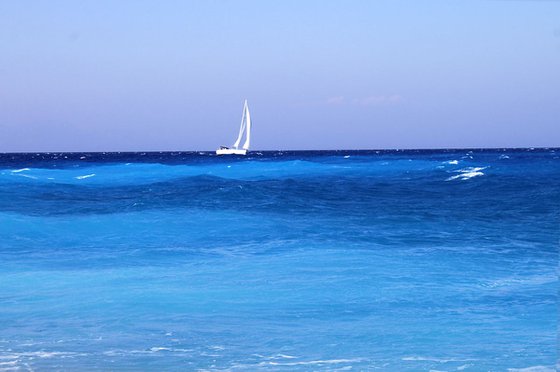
[{"x": 338, "y": 260}]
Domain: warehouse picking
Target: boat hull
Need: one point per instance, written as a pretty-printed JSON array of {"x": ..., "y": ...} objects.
[{"x": 231, "y": 152}]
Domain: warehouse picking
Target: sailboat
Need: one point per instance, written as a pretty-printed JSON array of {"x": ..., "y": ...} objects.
[{"x": 245, "y": 128}]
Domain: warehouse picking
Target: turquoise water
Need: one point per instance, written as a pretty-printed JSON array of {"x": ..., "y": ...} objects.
[{"x": 361, "y": 260}]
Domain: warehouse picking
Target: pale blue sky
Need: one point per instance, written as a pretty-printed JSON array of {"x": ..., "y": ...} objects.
[{"x": 172, "y": 75}]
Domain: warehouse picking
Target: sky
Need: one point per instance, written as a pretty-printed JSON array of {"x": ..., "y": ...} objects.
[{"x": 318, "y": 74}]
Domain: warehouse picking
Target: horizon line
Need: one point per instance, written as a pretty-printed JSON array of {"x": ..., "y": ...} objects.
[{"x": 289, "y": 150}]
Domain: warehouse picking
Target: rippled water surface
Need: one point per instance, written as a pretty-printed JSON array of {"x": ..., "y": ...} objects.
[{"x": 362, "y": 260}]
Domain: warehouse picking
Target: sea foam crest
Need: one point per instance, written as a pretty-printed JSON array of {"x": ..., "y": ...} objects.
[
  {"x": 313, "y": 362},
  {"x": 85, "y": 176},
  {"x": 466, "y": 173},
  {"x": 532, "y": 369},
  {"x": 436, "y": 359}
]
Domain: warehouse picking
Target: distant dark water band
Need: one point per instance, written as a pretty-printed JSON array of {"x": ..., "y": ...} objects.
[
  {"x": 483, "y": 197},
  {"x": 67, "y": 159}
]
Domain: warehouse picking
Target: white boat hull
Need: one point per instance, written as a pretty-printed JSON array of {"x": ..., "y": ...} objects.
[{"x": 231, "y": 152}]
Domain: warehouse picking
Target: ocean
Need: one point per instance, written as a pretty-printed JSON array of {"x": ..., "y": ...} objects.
[{"x": 412, "y": 260}]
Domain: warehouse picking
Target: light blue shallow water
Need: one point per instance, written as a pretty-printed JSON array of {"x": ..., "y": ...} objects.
[{"x": 416, "y": 260}]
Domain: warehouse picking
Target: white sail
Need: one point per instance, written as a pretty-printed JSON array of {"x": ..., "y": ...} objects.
[
  {"x": 248, "y": 127},
  {"x": 244, "y": 129},
  {"x": 241, "y": 127}
]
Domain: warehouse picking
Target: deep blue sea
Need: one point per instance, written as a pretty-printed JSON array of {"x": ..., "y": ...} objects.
[{"x": 327, "y": 260}]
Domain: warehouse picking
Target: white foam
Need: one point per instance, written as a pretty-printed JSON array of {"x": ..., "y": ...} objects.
[
  {"x": 27, "y": 176},
  {"x": 152, "y": 350},
  {"x": 453, "y": 162},
  {"x": 14, "y": 368},
  {"x": 346, "y": 156},
  {"x": 10, "y": 363},
  {"x": 467, "y": 173},
  {"x": 533, "y": 369},
  {"x": 159, "y": 348},
  {"x": 20, "y": 170},
  {"x": 86, "y": 176},
  {"x": 436, "y": 359},
  {"x": 465, "y": 176},
  {"x": 82, "y": 157},
  {"x": 49, "y": 354},
  {"x": 313, "y": 362},
  {"x": 516, "y": 281},
  {"x": 277, "y": 356},
  {"x": 41, "y": 354}
]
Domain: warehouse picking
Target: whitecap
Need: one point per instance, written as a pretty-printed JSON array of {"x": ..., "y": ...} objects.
[
  {"x": 152, "y": 350},
  {"x": 159, "y": 348},
  {"x": 467, "y": 173},
  {"x": 86, "y": 176},
  {"x": 453, "y": 162},
  {"x": 435, "y": 359},
  {"x": 532, "y": 369},
  {"x": 42, "y": 354},
  {"x": 82, "y": 157},
  {"x": 50, "y": 354},
  {"x": 313, "y": 362},
  {"x": 346, "y": 156},
  {"x": 14, "y": 368},
  {"x": 20, "y": 170},
  {"x": 10, "y": 363},
  {"x": 277, "y": 356},
  {"x": 27, "y": 176},
  {"x": 535, "y": 280},
  {"x": 465, "y": 176}
]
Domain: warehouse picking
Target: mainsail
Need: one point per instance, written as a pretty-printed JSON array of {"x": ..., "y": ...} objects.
[
  {"x": 244, "y": 127},
  {"x": 248, "y": 127}
]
